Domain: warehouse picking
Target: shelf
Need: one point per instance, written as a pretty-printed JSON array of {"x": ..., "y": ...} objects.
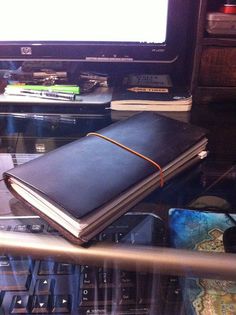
[
  {"x": 219, "y": 41},
  {"x": 207, "y": 94},
  {"x": 214, "y": 60}
]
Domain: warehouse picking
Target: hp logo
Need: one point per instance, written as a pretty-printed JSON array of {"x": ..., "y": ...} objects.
[{"x": 26, "y": 50}]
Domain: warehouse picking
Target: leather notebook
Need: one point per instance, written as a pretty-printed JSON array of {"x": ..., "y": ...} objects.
[{"x": 82, "y": 187}]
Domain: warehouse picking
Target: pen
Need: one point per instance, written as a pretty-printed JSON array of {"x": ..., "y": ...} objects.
[
  {"x": 43, "y": 94},
  {"x": 148, "y": 89},
  {"x": 52, "y": 88}
]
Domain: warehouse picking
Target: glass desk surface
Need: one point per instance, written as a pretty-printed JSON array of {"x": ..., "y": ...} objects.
[{"x": 190, "y": 214}]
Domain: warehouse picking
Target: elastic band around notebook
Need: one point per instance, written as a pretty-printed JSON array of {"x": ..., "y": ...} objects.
[{"x": 131, "y": 151}]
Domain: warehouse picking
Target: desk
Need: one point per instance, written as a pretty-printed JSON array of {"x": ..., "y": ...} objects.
[{"x": 215, "y": 178}]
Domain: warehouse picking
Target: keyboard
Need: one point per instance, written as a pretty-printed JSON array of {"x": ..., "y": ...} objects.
[{"x": 30, "y": 286}]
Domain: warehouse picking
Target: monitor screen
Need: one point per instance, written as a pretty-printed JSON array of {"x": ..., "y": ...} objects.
[{"x": 89, "y": 30}]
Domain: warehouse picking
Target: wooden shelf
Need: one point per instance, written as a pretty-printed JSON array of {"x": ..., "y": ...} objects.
[
  {"x": 219, "y": 41},
  {"x": 214, "y": 61},
  {"x": 216, "y": 94}
]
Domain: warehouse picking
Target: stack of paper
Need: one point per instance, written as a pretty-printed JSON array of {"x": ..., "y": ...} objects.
[{"x": 167, "y": 99}]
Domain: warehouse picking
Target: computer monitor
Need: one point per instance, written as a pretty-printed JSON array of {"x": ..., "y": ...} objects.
[{"x": 124, "y": 31}]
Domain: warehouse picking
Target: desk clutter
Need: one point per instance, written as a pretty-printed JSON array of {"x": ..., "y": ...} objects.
[
  {"x": 134, "y": 92},
  {"x": 219, "y": 23},
  {"x": 52, "y": 82}
]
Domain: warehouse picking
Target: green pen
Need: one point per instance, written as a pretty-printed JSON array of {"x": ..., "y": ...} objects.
[{"x": 52, "y": 88}]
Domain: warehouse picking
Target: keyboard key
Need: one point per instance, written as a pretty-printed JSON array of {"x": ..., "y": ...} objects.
[
  {"x": 96, "y": 310},
  {"x": 43, "y": 286},
  {"x": 119, "y": 236},
  {"x": 174, "y": 292},
  {"x": 51, "y": 229},
  {"x": 61, "y": 304},
  {"x": 86, "y": 268},
  {"x": 95, "y": 297},
  {"x": 21, "y": 228},
  {"x": 41, "y": 304},
  {"x": 12, "y": 283},
  {"x": 105, "y": 296},
  {"x": 1, "y": 296},
  {"x": 20, "y": 304},
  {"x": 88, "y": 277},
  {"x": 4, "y": 261},
  {"x": 64, "y": 269},
  {"x": 87, "y": 297},
  {"x": 36, "y": 228},
  {"x": 107, "y": 237},
  {"x": 5, "y": 227},
  {"x": 17, "y": 267},
  {"x": 46, "y": 268},
  {"x": 127, "y": 296},
  {"x": 127, "y": 278},
  {"x": 105, "y": 277},
  {"x": 145, "y": 286}
]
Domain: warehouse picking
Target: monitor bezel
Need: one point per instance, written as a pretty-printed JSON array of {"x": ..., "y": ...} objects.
[{"x": 112, "y": 52}]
